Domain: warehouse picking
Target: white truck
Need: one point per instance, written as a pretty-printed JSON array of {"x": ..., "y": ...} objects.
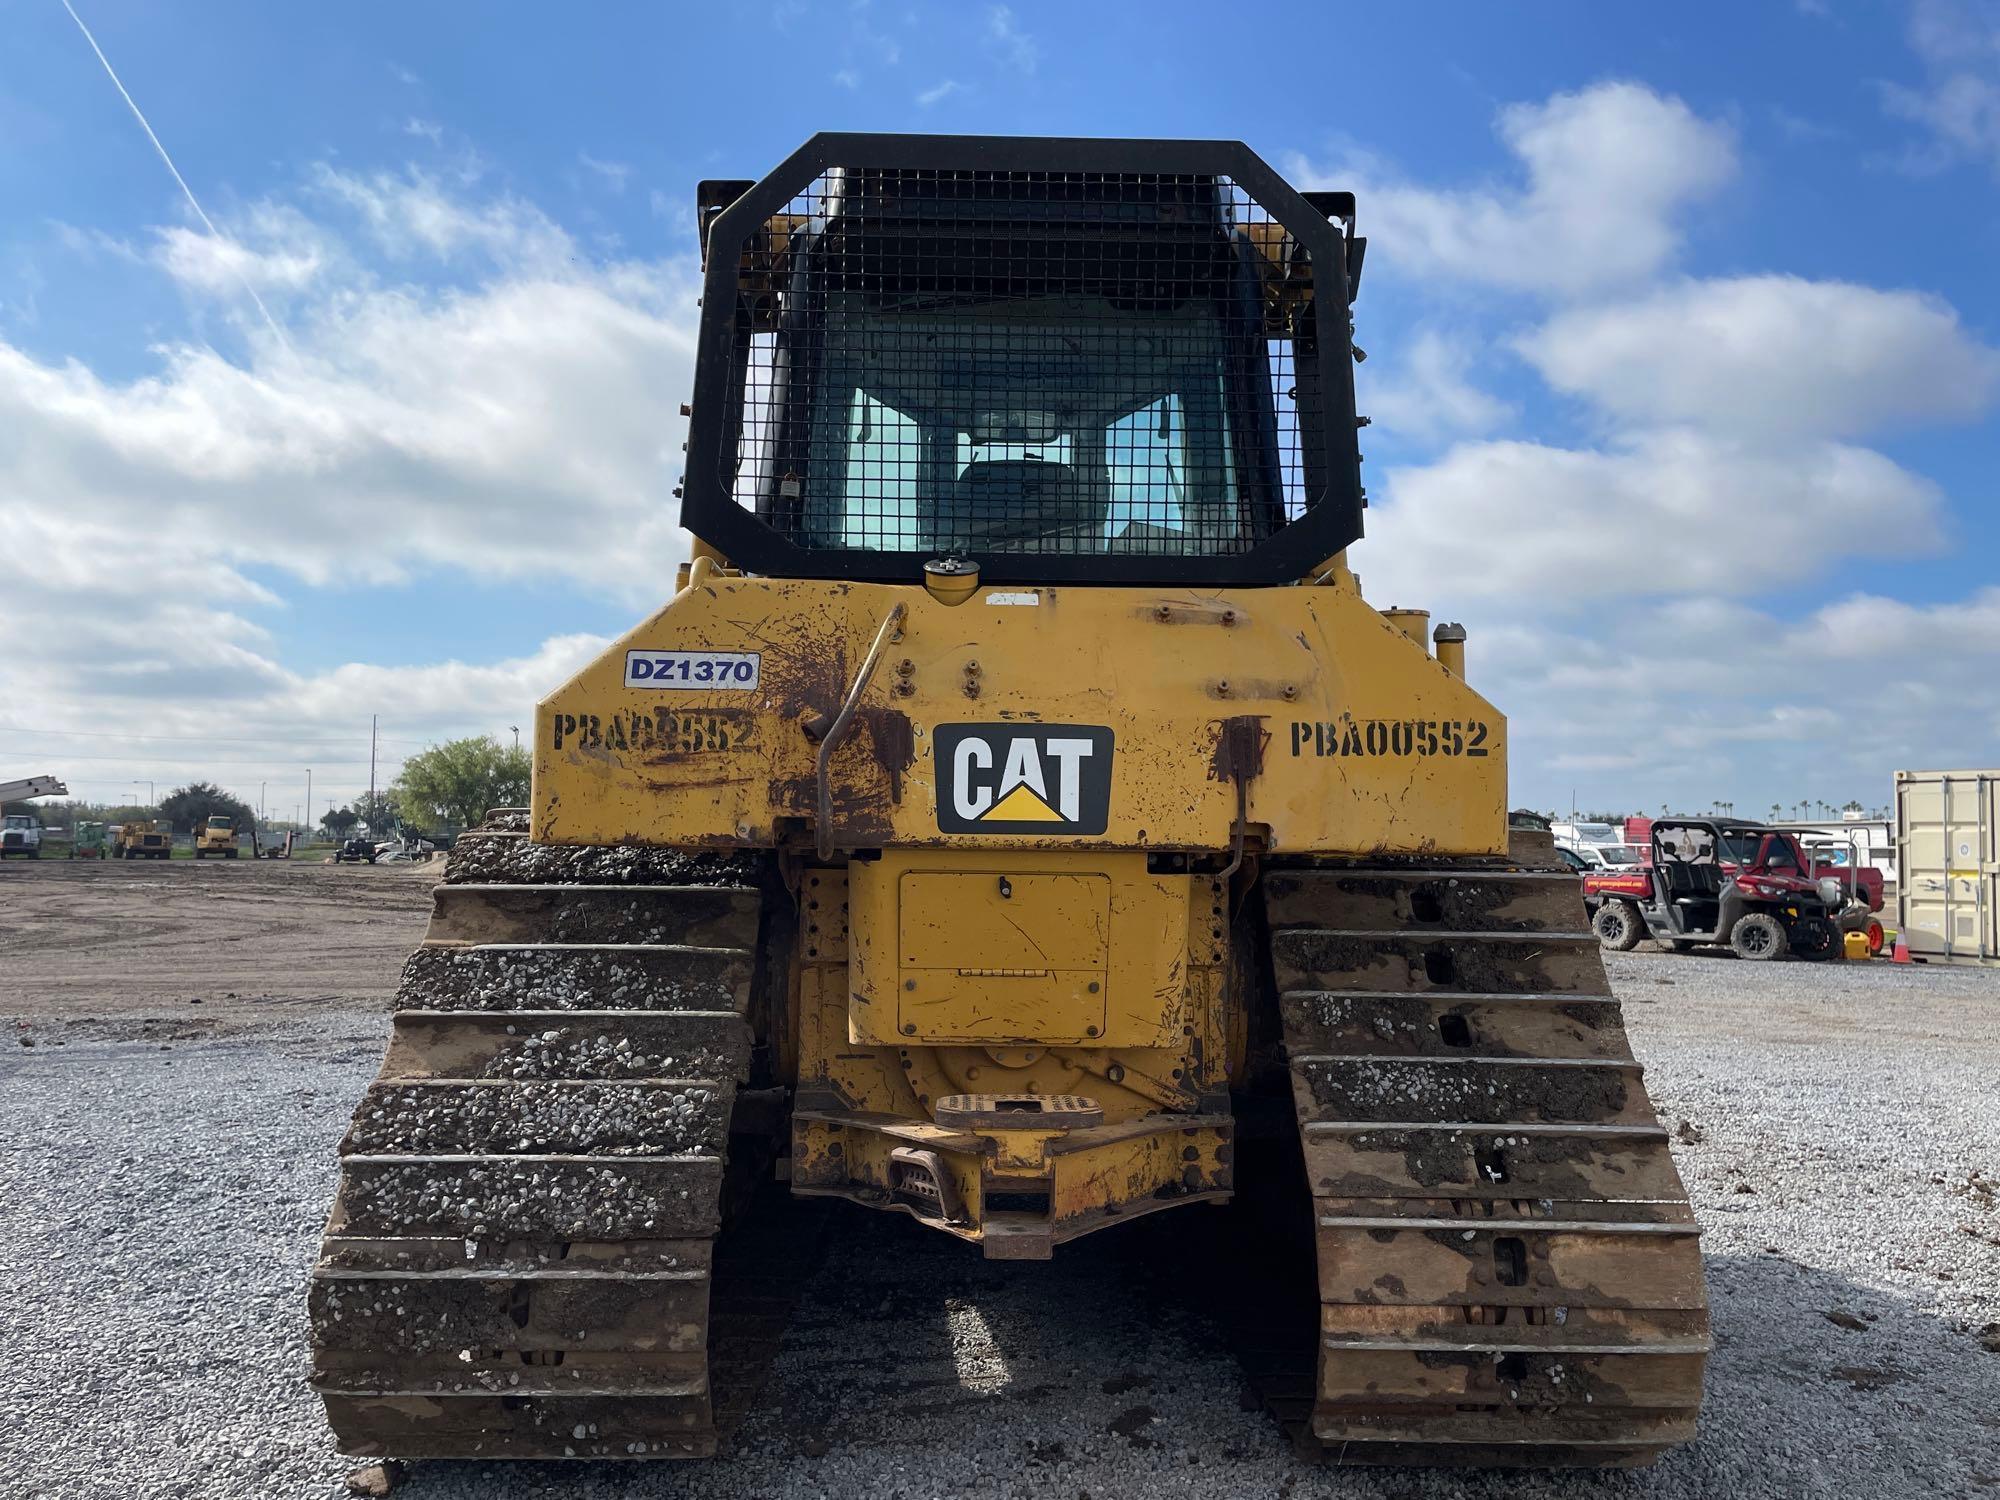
[
  {"x": 1599, "y": 846},
  {"x": 21, "y": 833}
]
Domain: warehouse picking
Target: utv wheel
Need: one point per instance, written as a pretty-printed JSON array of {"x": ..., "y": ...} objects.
[
  {"x": 1759, "y": 937},
  {"x": 1814, "y": 938},
  {"x": 1618, "y": 926}
]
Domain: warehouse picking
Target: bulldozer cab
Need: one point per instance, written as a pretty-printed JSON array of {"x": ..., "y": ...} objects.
[{"x": 1098, "y": 361}]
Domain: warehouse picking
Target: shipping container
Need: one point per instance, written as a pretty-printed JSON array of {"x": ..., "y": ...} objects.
[{"x": 1948, "y": 855}]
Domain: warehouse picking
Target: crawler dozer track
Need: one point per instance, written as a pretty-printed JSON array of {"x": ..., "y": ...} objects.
[
  {"x": 519, "y": 1256},
  {"x": 1509, "y": 1270}
]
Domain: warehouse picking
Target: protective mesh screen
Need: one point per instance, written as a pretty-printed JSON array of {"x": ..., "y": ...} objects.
[{"x": 1040, "y": 363}]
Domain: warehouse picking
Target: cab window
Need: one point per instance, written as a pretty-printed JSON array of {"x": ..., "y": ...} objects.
[{"x": 1778, "y": 855}]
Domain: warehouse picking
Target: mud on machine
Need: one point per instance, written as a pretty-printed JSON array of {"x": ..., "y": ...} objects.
[{"x": 1016, "y": 807}]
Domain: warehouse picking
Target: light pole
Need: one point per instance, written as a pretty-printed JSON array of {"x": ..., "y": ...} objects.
[
  {"x": 260, "y": 799},
  {"x": 149, "y": 791},
  {"x": 309, "y": 793},
  {"x": 517, "y": 736}
]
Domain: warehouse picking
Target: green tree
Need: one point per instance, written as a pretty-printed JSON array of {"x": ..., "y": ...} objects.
[
  {"x": 380, "y": 815},
  {"x": 459, "y": 781},
  {"x": 339, "y": 820},
  {"x": 191, "y": 806}
]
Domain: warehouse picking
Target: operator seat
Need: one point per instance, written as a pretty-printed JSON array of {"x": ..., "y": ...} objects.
[
  {"x": 1695, "y": 888},
  {"x": 1025, "y": 502}
]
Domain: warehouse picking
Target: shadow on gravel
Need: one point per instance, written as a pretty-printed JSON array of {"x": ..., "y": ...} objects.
[{"x": 913, "y": 1367}]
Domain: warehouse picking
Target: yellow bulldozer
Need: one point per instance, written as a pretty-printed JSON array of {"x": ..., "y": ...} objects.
[{"x": 1017, "y": 820}]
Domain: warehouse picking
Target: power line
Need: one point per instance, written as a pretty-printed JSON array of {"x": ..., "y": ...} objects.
[
  {"x": 191, "y": 739},
  {"x": 170, "y": 760}
]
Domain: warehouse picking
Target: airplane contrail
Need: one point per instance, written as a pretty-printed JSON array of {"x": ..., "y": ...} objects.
[{"x": 188, "y": 192}]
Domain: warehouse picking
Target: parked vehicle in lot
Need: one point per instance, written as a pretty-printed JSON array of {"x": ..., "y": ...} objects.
[
  {"x": 1835, "y": 857},
  {"x": 354, "y": 851},
  {"x": 143, "y": 840},
  {"x": 1604, "y": 856},
  {"x": 21, "y": 833},
  {"x": 1739, "y": 884},
  {"x": 216, "y": 835},
  {"x": 87, "y": 841},
  {"x": 1574, "y": 832}
]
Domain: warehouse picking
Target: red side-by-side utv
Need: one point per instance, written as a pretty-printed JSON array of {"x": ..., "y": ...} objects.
[{"x": 1739, "y": 885}]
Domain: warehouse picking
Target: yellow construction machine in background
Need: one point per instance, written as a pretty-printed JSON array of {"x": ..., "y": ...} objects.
[
  {"x": 153, "y": 840},
  {"x": 216, "y": 835}
]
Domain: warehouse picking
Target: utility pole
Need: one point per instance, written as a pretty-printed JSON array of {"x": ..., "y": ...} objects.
[
  {"x": 372, "y": 718},
  {"x": 260, "y": 799},
  {"x": 309, "y": 794}
]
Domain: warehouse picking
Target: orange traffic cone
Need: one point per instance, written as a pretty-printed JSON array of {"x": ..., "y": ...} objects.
[{"x": 1901, "y": 953}]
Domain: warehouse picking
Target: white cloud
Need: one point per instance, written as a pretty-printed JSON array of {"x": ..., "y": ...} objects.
[
  {"x": 937, "y": 93},
  {"x": 1870, "y": 630},
  {"x": 428, "y": 130},
  {"x": 510, "y": 416},
  {"x": 1688, "y": 701},
  {"x": 278, "y": 721},
  {"x": 613, "y": 174},
  {"x": 1007, "y": 41},
  {"x": 847, "y": 78},
  {"x": 451, "y": 693},
  {"x": 1620, "y": 592},
  {"x": 1958, "y": 43},
  {"x": 416, "y": 213},
  {"x": 1666, "y": 513},
  {"x": 1429, "y": 395},
  {"x": 220, "y": 266},
  {"x": 452, "y": 428},
  {"x": 1610, "y": 177},
  {"x": 1800, "y": 130},
  {"x": 1769, "y": 354}
]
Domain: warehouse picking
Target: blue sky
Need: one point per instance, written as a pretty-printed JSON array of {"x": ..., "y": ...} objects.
[{"x": 1681, "y": 323}]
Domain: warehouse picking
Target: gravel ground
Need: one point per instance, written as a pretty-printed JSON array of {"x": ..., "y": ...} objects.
[{"x": 162, "y": 1187}]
